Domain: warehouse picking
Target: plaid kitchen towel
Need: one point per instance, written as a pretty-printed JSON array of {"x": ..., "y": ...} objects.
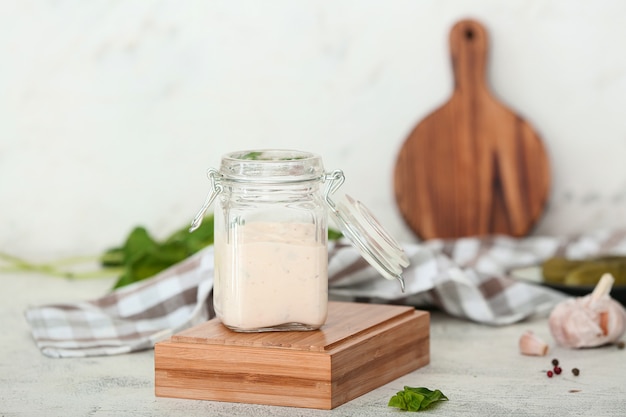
[
  {"x": 130, "y": 318},
  {"x": 465, "y": 277}
]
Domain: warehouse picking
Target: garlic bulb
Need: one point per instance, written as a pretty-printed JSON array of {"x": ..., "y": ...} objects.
[
  {"x": 533, "y": 345},
  {"x": 593, "y": 320}
]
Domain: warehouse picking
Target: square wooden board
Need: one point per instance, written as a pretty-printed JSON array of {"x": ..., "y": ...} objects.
[{"x": 361, "y": 347}]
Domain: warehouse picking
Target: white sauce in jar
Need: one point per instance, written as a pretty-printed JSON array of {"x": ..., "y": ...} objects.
[{"x": 271, "y": 274}]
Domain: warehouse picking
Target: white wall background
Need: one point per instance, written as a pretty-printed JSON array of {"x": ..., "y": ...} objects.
[{"x": 111, "y": 110}]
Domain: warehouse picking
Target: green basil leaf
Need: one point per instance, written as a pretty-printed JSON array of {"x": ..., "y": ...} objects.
[
  {"x": 137, "y": 244},
  {"x": 398, "y": 401},
  {"x": 416, "y": 399},
  {"x": 334, "y": 234},
  {"x": 142, "y": 257},
  {"x": 413, "y": 401}
]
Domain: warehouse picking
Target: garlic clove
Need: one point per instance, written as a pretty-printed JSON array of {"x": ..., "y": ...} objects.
[
  {"x": 532, "y": 345},
  {"x": 593, "y": 320}
]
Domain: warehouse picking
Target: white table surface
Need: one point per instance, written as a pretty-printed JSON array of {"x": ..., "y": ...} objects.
[{"x": 478, "y": 367}]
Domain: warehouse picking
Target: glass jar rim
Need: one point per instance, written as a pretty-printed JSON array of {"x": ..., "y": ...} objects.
[{"x": 271, "y": 165}]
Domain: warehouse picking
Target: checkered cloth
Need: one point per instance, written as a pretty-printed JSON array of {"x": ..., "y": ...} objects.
[{"x": 466, "y": 278}]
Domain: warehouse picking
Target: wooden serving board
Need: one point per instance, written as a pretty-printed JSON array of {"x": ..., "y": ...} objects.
[
  {"x": 361, "y": 347},
  {"x": 473, "y": 166}
]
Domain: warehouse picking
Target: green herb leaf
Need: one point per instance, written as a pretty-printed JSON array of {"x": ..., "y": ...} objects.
[
  {"x": 252, "y": 155},
  {"x": 416, "y": 399},
  {"x": 142, "y": 257},
  {"x": 334, "y": 234}
]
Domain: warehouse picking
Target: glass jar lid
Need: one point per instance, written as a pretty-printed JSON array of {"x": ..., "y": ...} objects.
[{"x": 367, "y": 235}]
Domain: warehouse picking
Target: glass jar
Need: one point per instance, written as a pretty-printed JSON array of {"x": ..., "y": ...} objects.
[{"x": 270, "y": 244}]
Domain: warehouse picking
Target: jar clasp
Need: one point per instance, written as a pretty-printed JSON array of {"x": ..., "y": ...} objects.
[
  {"x": 216, "y": 188},
  {"x": 334, "y": 181}
]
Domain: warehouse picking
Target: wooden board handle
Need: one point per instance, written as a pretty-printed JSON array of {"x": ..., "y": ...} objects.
[{"x": 468, "y": 48}]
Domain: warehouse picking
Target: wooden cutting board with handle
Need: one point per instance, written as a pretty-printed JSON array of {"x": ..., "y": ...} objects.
[{"x": 472, "y": 167}]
